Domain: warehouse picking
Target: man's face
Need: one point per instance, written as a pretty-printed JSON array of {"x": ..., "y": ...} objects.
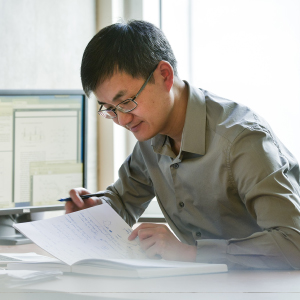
[{"x": 153, "y": 112}]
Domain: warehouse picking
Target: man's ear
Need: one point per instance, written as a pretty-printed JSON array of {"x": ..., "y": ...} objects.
[{"x": 167, "y": 74}]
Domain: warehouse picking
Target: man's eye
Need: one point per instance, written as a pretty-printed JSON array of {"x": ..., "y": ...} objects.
[{"x": 126, "y": 102}]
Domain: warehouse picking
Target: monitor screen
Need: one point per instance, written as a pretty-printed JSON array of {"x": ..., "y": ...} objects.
[{"x": 42, "y": 148}]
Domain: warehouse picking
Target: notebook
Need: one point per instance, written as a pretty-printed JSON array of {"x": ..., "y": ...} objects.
[{"x": 95, "y": 241}]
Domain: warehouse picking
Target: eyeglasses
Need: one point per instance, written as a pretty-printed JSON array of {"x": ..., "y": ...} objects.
[{"x": 125, "y": 106}]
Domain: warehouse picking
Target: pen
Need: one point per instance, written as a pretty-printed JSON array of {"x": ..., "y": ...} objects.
[{"x": 82, "y": 197}]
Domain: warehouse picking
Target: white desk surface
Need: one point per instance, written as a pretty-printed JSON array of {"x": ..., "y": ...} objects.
[{"x": 234, "y": 285}]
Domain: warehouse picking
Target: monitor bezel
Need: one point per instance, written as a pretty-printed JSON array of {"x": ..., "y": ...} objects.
[{"x": 34, "y": 92}]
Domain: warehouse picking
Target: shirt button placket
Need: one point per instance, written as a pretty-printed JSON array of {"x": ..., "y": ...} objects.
[{"x": 176, "y": 166}]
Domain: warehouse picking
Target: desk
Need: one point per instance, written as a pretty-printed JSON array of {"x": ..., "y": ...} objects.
[{"x": 235, "y": 285}]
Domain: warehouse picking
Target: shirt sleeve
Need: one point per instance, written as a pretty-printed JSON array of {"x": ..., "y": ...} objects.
[
  {"x": 266, "y": 177},
  {"x": 131, "y": 194}
]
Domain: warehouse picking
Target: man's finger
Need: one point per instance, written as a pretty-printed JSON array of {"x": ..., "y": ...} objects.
[
  {"x": 75, "y": 195},
  {"x": 143, "y": 226}
]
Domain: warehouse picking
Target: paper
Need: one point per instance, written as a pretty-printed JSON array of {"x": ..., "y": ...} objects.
[
  {"x": 28, "y": 257},
  {"x": 129, "y": 268},
  {"x": 94, "y": 233},
  {"x": 28, "y": 274},
  {"x": 14, "y": 278}
]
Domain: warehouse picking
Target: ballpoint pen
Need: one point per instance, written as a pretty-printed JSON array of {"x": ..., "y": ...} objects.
[{"x": 82, "y": 197}]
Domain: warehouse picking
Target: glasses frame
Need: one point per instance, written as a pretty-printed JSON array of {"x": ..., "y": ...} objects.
[{"x": 117, "y": 107}]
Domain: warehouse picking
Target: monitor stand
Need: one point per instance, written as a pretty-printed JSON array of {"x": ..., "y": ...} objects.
[{"x": 8, "y": 234}]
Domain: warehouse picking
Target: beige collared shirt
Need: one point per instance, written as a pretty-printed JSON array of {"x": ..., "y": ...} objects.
[{"x": 233, "y": 189}]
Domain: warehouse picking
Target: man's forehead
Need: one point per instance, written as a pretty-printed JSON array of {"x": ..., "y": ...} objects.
[
  {"x": 119, "y": 85},
  {"x": 120, "y": 76}
]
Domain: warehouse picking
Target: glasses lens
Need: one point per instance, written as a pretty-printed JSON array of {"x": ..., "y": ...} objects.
[
  {"x": 127, "y": 105},
  {"x": 108, "y": 114}
]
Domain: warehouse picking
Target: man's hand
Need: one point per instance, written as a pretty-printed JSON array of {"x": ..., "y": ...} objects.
[
  {"x": 158, "y": 241},
  {"x": 77, "y": 203}
]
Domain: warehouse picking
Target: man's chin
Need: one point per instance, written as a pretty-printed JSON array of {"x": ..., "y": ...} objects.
[{"x": 142, "y": 138}]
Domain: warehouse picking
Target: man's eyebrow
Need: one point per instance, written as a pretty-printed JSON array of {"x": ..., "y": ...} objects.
[
  {"x": 119, "y": 95},
  {"x": 115, "y": 98}
]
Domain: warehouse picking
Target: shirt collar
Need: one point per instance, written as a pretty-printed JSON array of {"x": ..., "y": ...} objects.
[{"x": 193, "y": 136}]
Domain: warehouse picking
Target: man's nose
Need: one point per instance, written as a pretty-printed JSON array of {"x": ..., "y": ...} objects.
[{"x": 123, "y": 118}]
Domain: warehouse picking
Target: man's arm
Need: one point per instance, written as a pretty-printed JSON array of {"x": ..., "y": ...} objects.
[
  {"x": 271, "y": 249},
  {"x": 266, "y": 176}
]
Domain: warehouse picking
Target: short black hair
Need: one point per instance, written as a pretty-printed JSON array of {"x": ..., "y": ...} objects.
[{"x": 135, "y": 47}]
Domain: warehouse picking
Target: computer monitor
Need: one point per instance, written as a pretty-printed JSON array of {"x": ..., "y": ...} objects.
[{"x": 42, "y": 153}]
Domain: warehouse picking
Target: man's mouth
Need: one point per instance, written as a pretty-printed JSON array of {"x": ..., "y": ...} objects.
[{"x": 135, "y": 127}]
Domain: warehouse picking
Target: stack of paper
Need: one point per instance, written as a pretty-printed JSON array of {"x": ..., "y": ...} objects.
[
  {"x": 15, "y": 278},
  {"x": 124, "y": 267},
  {"x": 27, "y": 257}
]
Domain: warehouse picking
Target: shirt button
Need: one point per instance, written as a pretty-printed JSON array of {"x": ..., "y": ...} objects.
[
  {"x": 181, "y": 204},
  {"x": 176, "y": 166},
  {"x": 198, "y": 234}
]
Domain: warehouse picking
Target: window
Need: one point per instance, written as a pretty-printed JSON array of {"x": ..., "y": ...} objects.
[{"x": 244, "y": 50}]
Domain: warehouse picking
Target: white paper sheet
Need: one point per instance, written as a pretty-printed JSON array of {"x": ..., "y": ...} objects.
[
  {"x": 93, "y": 233},
  {"x": 17, "y": 278},
  {"x": 27, "y": 257}
]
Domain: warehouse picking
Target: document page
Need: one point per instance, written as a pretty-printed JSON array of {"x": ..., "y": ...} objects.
[
  {"x": 41, "y": 136},
  {"x": 94, "y": 233}
]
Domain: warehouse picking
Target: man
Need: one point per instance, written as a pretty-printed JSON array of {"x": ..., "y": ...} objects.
[{"x": 228, "y": 188}]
